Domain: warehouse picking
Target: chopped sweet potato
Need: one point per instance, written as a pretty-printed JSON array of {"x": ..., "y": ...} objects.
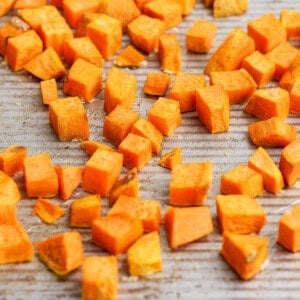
[
  {"x": 22, "y": 4},
  {"x": 273, "y": 132},
  {"x": 57, "y": 252},
  {"x": 48, "y": 90},
  {"x": 9, "y": 190},
  {"x": 240, "y": 214},
  {"x": 290, "y": 20},
  {"x": 8, "y": 212},
  {"x": 144, "y": 256},
  {"x": 225, "y": 8},
  {"x": 156, "y": 84},
  {"x": 91, "y": 146},
  {"x": 187, "y": 224},
  {"x": 187, "y": 6},
  {"x": 187, "y": 190},
  {"x": 295, "y": 97},
  {"x": 130, "y": 57},
  {"x": 85, "y": 19},
  {"x": 47, "y": 210},
  {"x": 170, "y": 159}
]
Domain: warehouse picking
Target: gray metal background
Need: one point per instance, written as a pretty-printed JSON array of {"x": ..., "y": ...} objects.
[{"x": 191, "y": 272}]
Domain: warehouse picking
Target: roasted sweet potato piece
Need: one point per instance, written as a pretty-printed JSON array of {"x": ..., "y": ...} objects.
[
  {"x": 290, "y": 20},
  {"x": 22, "y": 4},
  {"x": 8, "y": 211},
  {"x": 91, "y": 146},
  {"x": 48, "y": 90},
  {"x": 156, "y": 84},
  {"x": 295, "y": 97},
  {"x": 170, "y": 159},
  {"x": 130, "y": 57},
  {"x": 9, "y": 190},
  {"x": 225, "y": 8}
]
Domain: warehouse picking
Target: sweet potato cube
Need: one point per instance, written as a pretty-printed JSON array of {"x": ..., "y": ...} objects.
[
  {"x": 187, "y": 224},
  {"x": 200, "y": 36},
  {"x": 22, "y": 48},
  {"x": 169, "y": 53},
  {"x": 116, "y": 233},
  {"x": 261, "y": 162},
  {"x": 99, "y": 278},
  {"x": 289, "y": 164},
  {"x": 84, "y": 80},
  {"x": 242, "y": 180},
  {"x": 170, "y": 159},
  {"x": 213, "y": 109},
  {"x": 165, "y": 115},
  {"x": 290, "y": 20},
  {"x": 126, "y": 205},
  {"x": 167, "y": 11},
  {"x": 84, "y": 211},
  {"x": 145, "y": 128},
  {"x": 9, "y": 190},
  {"x": 184, "y": 90},
  {"x": 85, "y": 20},
  {"x": 144, "y": 256},
  {"x": 289, "y": 229},
  {"x": 240, "y": 214},
  {"x": 40, "y": 176},
  {"x": 120, "y": 88},
  {"x": 8, "y": 211},
  {"x": 106, "y": 33},
  {"x": 48, "y": 211},
  {"x": 273, "y": 132},
  {"x": 267, "y": 32},
  {"x": 269, "y": 102},
  {"x": 22, "y": 4},
  {"x": 11, "y": 159},
  {"x": 246, "y": 254},
  {"x": 130, "y": 57},
  {"x": 187, "y": 6},
  {"x": 101, "y": 171},
  {"x": 225, "y": 8},
  {"x": 118, "y": 123},
  {"x": 295, "y": 97},
  {"x": 231, "y": 52},
  {"x": 289, "y": 77},
  {"x": 259, "y": 67},
  {"x": 69, "y": 178},
  {"x": 49, "y": 90},
  {"x": 15, "y": 245},
  {"x": 91, "y": 146},
  {"x": 144, "y": 33},
  {"x": 63, "y": 114},
  {"x": 239, "y": 84},
  {"x": 137, "y": 151},
  {"x": 57, "y": 252},
  {"x": 156, "y": 84},
  {"x": 47, "y": 65}
]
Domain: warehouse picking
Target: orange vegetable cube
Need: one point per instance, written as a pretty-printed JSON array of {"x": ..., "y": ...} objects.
[
  {"x": 99, "y": 278},
  {"x": 289, "y": 164},
  {"x": 63, "y": 114},
  {"x": 289, "y": 77},
  {"x": 165, "y": 115},
  {"x": 11, "y": 159},
  {"x": 290, "y": 20},
  {"x": 239, "y": 84},
  {"x": 187, "y": 6},
  {"x": 269, "y": 102},
  {"x": 118, "y": 123},
  {"x": 22, "y": 48},
  {"x": 40, "y": 176},
  {"x": 246, "y": 254},
  {"x": 187, "y": 190},
  {"x": 15, "y": 245},
  {"x": 47, "y": 210},
  {"x": 91, "y": 146},
  {"x": 84, "y": 80},
  {"x": 295, "y": 97},
  {"x": 84, "y": 48},
  {"x": 9, "y": 190},
  {"x": 20, "y": 4},
  {"x": 144, "y": 33},
  {"x": 126, "y": 205},
  {"x": 184, "y": 90},
  {"x": 259, "y": 67},
  {"x": 84, "y": 211},
  {"x": 167, "y": 11},
  {"x": 200, "y": 37},
  {"x": 261, "y": 162},
  {"x": 130, "y": 57},
  {"x": 187, "y": 224},
  {"x": 145, "y": 128},
  {"x": 273, "y": 132},
  {"x": 288, "y": 229},
  {"x": 8, "y": 212},
  {"x": 48, "y": 90},
  {"x": 69, "y": 178},
  {"x": 106, "y": 33},
  {"x": 57, "y": 252},
  {"x": 85, "y": 19},
  {"x": 231, "y": 52},
  {"x": 156, "y": 84},
  {"x": 169, "y": 53},
  {"x": 120, "y": 88},
  {"x": 212, "y": 105},
  {"x": 101, "y": 171},
  {"x": 240, "y": 214},
  {"x": 267, "y": 32},
  {"x": 116, "y": 233},
  {"x": 225, "y": 8},
  {"x": 144, "y": 256},
  {"x": 242, "y": 180},
  {"x": 73, "y": 9},
  {"x": 137, "y": 151},
  {"x": 170, "y": 159},
  {"x": 46, "y": 65}
]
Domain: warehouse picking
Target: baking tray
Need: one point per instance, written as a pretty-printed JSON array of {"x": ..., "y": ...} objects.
[{"x": 194, "y": 271}]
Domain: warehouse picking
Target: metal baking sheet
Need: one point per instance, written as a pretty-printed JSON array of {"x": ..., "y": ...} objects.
[{"x": 190, "y": 272}]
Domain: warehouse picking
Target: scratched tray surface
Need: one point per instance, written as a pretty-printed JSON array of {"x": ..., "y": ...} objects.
[{"x": 191, "y": 271}]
